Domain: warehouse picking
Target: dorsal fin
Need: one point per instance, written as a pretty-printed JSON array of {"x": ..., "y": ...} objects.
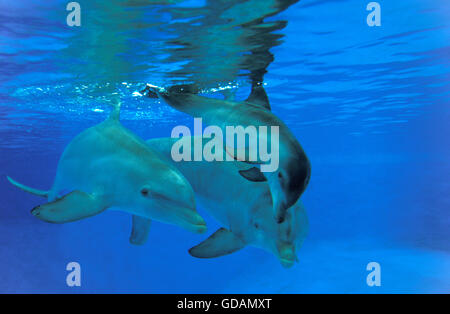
[
  {"x": 115, "y": 113},
  {"x": 258, "y": 96}
]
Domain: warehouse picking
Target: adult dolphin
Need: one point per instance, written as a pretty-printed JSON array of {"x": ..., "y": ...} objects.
[
  {"x": 292, "y": 176},
  {"x": 242, "y": 206},
  {"x": 107, "y": 166}
]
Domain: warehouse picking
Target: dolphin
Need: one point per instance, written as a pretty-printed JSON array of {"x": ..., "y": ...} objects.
[
  {"x": 107, "y": 166},
  {"x": 242, "y": 206},
  {"x": 292, "y": 176}
]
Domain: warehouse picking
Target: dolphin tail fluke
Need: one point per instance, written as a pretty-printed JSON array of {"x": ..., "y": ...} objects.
[
  {"x": 140, "y": 230},
  {"x": 221, "y": 242},
  {"x": 151, "y": 91},
  {"x": 71, "y": 207},
  {"x": 28, "y": 189}
]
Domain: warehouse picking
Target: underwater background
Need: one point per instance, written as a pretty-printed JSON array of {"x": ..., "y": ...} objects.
[{"x": 370, "y": 106}]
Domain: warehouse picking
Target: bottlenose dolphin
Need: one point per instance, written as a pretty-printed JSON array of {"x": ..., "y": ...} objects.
[
  {"x": 107, "y": 166},
  {"x": 291, "y": 178},
  {"x": 242, "y": 206}
]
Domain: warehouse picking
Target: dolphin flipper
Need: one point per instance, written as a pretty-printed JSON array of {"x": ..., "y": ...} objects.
[
  {"x": 253, "y": 175},
  {"x": 221, "y": 242},
  {"x": 28, "y": 189},
  {"x": 140, "y": 230},
  {"x": 71, "y": 207}
]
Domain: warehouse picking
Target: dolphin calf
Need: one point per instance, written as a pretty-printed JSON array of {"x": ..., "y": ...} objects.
[
  {"x": 292, "y": 176},
  {"x": 107, "y": 166},
  {"x": 242, "y": 206}
]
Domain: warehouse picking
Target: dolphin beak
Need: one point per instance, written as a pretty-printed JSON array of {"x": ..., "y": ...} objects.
[
  {"x": 197, "y": 227},
  {"x": 286, "y": 255},
  {"x": 175, "y": 205},
  {"x": 286, "y": 263},
  {"x": 192, "y": 221},
  {"x": 183, "y": 214}
]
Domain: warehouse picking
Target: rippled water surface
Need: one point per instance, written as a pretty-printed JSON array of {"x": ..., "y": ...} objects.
[{"x": 370, "y": 106}]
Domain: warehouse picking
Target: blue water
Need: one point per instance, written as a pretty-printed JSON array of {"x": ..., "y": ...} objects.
[{"x": 370, "y": 106}]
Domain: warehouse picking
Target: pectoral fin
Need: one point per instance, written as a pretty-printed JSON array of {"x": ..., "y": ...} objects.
[
  {"x": 236, "y": 154},
  {"x": 140, "y": 230},
  {"x": 221, "y": 242},
  {"x": 229, "y": 94},
  {"x": 73, "y": 206},
  {"x": 253, "y": 175}
]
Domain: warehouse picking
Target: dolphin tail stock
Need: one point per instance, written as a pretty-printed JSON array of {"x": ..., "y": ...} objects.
[
  {"x": 28, "y": 189},
  {"x": 140, "y": 230},
  {"x": 221, "y": 242}
]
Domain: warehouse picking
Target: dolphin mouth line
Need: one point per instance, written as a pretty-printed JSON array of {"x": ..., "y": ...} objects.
[
  {"x": 285, "y": 260},
  {"x": 198, "y": 227},
  {"x": 34, "y": 211},
  {"x": 198, "y": 224}
]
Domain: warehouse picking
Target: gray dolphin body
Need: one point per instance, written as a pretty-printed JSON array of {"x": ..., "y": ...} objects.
[
  {"x": 107, "y": 166},
  {"x": 242, "y": 206},
  {"x": 291, "y": 178}
]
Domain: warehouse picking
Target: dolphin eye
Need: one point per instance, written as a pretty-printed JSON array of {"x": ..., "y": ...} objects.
[
  {"x": 145, "y": 192},
  {"x": 281, "y": 179}
]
